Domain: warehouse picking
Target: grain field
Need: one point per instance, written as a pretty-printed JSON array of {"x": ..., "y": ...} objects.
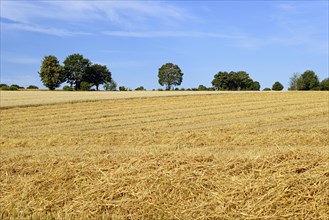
[{"x": 262, "y": 155}]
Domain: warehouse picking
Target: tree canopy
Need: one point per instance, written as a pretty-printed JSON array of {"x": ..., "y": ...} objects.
[
  {"x": 75, "y": 68},
  {"x": 324, "y": 85},
  {"x": 234, "y": 81},
  {"x": 51, "y": 72},
  {"x": 76, "y": 71},
  {"x": 170, "y": 75},
  {"x": 293, "y": 83},
  {"x": 308, "y": 81},
  {"x": 97, "y": 74},
  {"x": 277, "y": 86}
]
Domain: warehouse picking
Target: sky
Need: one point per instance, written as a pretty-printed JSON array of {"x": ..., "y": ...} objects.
[{"x": 270, "y": 40}]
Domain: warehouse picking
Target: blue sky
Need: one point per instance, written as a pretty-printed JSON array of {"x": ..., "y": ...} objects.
[{"x": 270, "y": 40}]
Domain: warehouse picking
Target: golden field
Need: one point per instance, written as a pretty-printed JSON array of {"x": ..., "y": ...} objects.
[
  {"x": 261, "y": 155},
  {"x": 38, "y": 97}
]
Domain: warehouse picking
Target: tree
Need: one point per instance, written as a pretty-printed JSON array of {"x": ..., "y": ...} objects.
[
  {"x": 170, "y": 75},
  {"x": 32, "y": 87},
  {"x": 267, "y": 89},
  {"x": 308, "y": 81},
  {"x": 75, "y": 68},
  {"x": 97, "y": 74},
  {"x": 222, "y": 81},
  {"x": 277, "y": 86},
  {"x": 324, "y": 85},
  {"x": 242, "y": 81},
  {"x": 255, "y": 86},
  {"x": 122, "y": 88},
  {"x": 51, "y": 72},
  {"x": 293, "y": 83},
  {"x": 202, "y": 88},
  {"x": 110, "y": 86},
  {"x": 67, "y": 88},
  {"x": 85, "y": 86},
  {"x": 140, "y": 88},
  {"x": 234, "y": 81}
]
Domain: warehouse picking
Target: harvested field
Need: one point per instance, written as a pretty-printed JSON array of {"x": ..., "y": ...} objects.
[
  {"x": 33, "y": 98},
  {"x": 221, "y": 156}
]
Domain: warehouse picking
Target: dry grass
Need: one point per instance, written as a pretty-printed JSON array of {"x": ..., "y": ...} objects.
[{"x": 224, "y": 156}]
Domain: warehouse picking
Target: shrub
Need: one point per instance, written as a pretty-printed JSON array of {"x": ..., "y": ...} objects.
[
  {"x": 122, "y": 88},
  {"x": 277, "y": 86},
  {"x": 160, "y": 89},
  {"x": 324, "y": 85},
  {"x": 85, "y": 86},
  {"x": 15, "y": 87},
  {"x": 141, "y": 88},
  {"x": 32, "y": 87},
  {"x": 202, "y": 88},
  {"x": 267, "y": 89},
  {"x": 67, "y": 88},
  {"x": 110, "y": 86},
  {"x": 4, "y": 87}
]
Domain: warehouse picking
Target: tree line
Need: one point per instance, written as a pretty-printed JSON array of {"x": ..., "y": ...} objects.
[{"x": 81, "y": 74}]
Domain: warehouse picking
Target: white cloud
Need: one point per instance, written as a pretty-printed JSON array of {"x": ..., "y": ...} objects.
[
  {"x": 39, "y": 29},
  {"x": 118, "y": 13},
  {"x": 19, "y": 59},
  {"x": 159, "y": 34}
]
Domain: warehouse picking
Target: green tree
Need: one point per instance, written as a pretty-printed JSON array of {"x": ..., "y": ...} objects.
[
  {"x": 97, "y": 74},
  {"x": 277, "y": 86},
  {"x": 140, "y": 88},
  {"x": 170, "y": 75},
  {"x": 242, "y": 81},
  {"x": 255, "y": 86},
  {"x": 202, "y": 88},
  {"x": 324, "y": 85},
  {"x": 85, "y": 86},
  {"x": 308, "y": 81},
  {"x": 234, "y": 81},
  {"x": 222, "y": 81},
  {"x": 67, "y": 88},
  {"x": 293, "y": 83},
  {"x": 32, "y": 87},
  {"x": 51, "y": 72},
  {"x": 122, "y": 88},
  {"x": 75, "y": 68},
  {"x": 110, "y": 86}
]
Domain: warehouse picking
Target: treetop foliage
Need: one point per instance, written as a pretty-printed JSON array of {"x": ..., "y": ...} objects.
[
  {"x": 234, "y": 81},
  {"x": 81, "y": 74},
  {"x": 277, "y": 86},
  {"x": 51, "y": 72},
  {"x": 170, "y": 75},
  {"x": 308, "y": 81},
  {"x": 76, "y": 69},
  {"x": 324, "y": 85}
]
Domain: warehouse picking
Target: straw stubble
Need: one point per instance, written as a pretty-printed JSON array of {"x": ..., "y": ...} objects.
[{"x": 225, "y": 156}]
